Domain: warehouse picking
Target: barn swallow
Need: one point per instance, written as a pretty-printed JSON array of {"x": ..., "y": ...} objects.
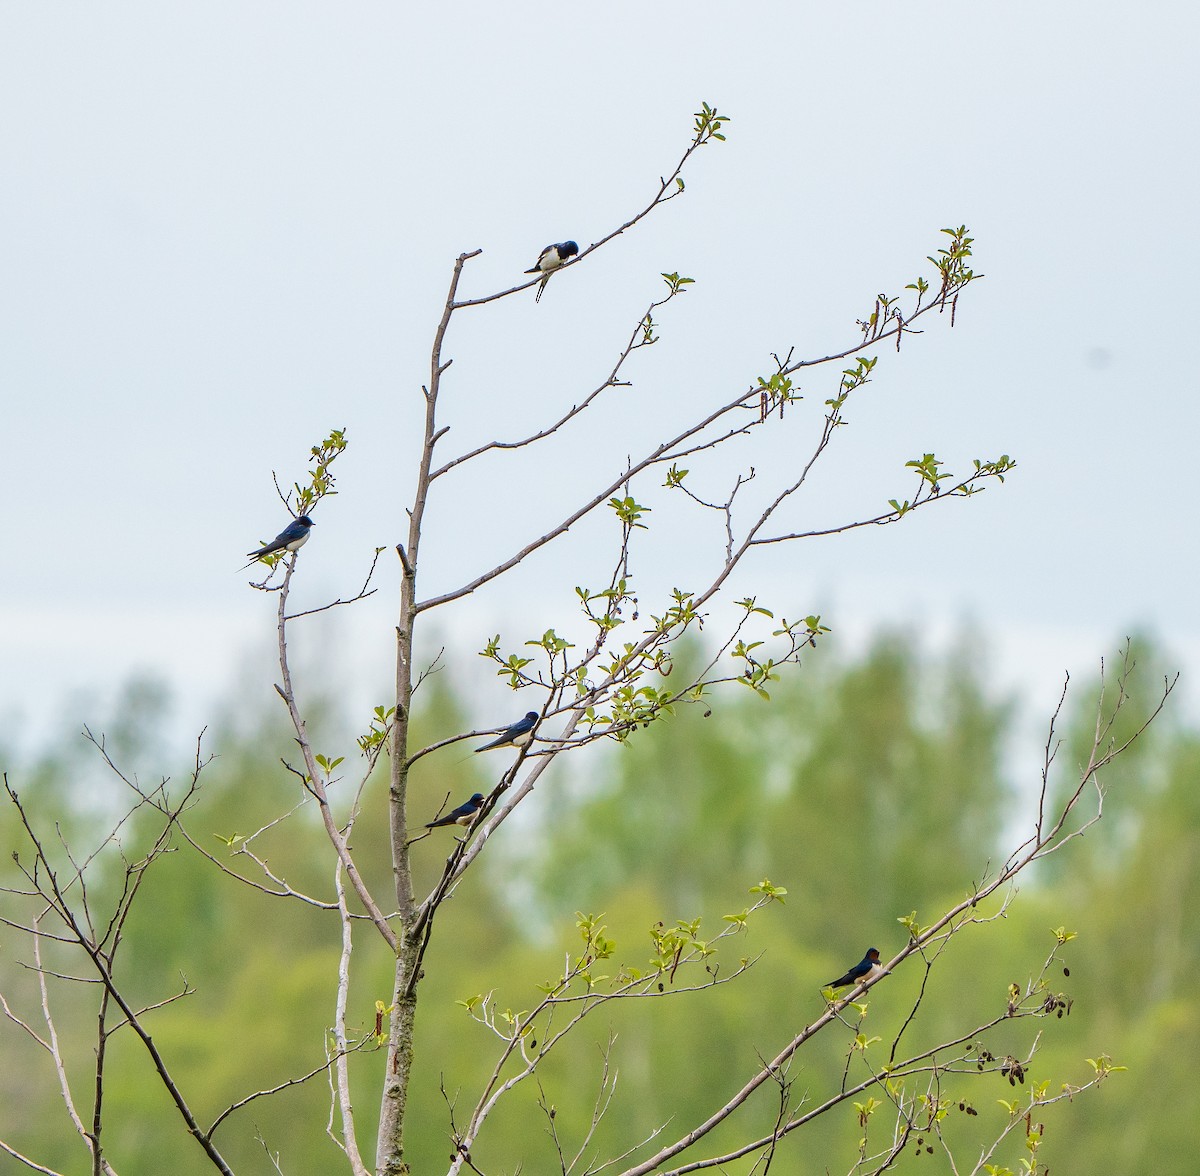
[
  {"x": 867, "y": 967},
  {"x": 549, "y": 260},
  {"x": 291, "y": 538},
  {"x": 463, "y": 815},
  {"x": 518, "y": 735}
]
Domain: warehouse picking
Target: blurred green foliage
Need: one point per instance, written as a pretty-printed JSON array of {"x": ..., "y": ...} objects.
[{"x": 870, "y": 787}]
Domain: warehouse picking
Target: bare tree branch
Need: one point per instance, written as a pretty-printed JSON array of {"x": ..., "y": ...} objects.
[
  {"x": 16, "y": 1155},
  {"x": 612, "y": 381},
  {"x": 316, "y": 777},
  {"x": 237, "y": 1106},
  {"x": 665, "y": 192},
  {"x": 348, "y": 1142},
  {"x": 361, "y": 594},
  {"x": 54, "y": 893}
]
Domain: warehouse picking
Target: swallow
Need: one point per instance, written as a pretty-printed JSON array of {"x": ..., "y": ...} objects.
[
  {"x": 867, "y": 967},
  {"x": 518, "y": 735},
  {"x": 549, "y": 260},
  {"x": 291, "y": 538},
  {"x": 463, "y": 815}
]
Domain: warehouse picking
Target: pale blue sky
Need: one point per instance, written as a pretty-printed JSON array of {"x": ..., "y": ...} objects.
[{"x": 228, "y": 228}]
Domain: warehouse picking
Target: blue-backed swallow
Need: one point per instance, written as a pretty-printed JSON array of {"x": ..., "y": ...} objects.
[
  {"x": 291, "y": 538},
  {"x": 867, "y": 967},
  {"x": 463, "y": 815},
  {"x": 549, "y": 260},
  {"x": 518, "y": 735}
]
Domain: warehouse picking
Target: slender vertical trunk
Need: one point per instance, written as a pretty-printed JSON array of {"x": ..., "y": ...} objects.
[
  {"x": 389, "y": 1160},
  {"x": 389, "y": 1156}
]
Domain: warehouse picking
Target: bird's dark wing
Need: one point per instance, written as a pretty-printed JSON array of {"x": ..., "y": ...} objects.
[
  {"x": 498, "y": 742},
  {"x": 537, "y": 265},
  {"x": 276, "y": 544},
  {"x": 854, "y": 975},
  {"x": 289, "y": 534},
  {"x": 521, "y": 727},
  {"x": 450, "y": 818}
]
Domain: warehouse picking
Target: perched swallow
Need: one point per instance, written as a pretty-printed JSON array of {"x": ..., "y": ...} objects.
[
  {"x": 867, "y": 967},
  {"x": 291, "y": 538},
  {"x": 549, "y": 260},
  {"x": 463, "y": 815},
  {"x": 518, "y": 735}
]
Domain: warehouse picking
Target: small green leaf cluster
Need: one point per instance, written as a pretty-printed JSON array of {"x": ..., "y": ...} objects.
[
  {"x": 609, "y": 617},
  {"x": 989, "y": 469},
  {"x": 886, "y": 316},
  {"x": 511, "y": 666},
  {"x": 852, "y": 379},
  {"x": 675, "y": 477},
  {"x": 649, "y": 338},
  {"x": 673, "y": 947},
  {"x": 634, "y": 706},
  {"x": 551, "y": 642},
  {"x": 866, "y": 1110},
  {"x": 381, "y": 721},
  {"x": 953, "y": 271},
  {"x": 862, "y": 1042},
  {"x": 675, "y": 284},
  {"x": 883, "y": 312},
  {"x": 951, "y": 261},
  {"x": 671, "y": 943},
  {"x": 681, "y": 613},
  {"x": 320, "y": 478},
  {"x": 777, "y": 389},
  {"x": 380, "y": 1034},
  {"x": 927, "y": 467},
  {"x": 756, "y": 674},
  {"x": 928, "y": 470},
  {"x": 596, "y": 946},
  {"x": 629, "y": 511},
  {"x": 708, "y": 124},
  {"x": 1103, "y": 1066},
  {"x": 630, "y": 701},
  {"x": 769, "y": 891}
]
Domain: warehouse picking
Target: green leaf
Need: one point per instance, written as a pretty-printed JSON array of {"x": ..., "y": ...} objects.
[
  {"x": 769, "y": 890},
  {"x": 629, "y": 511}
]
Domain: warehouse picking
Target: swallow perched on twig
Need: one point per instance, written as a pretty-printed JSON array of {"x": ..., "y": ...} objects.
[
  {"x": 291, "y": 538},
  {"x": 518, "y": 735},
  {"x": 549, "y": 260},
  {"x": 463, "y": 815},
  {"x": 867, "y": 967}
]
